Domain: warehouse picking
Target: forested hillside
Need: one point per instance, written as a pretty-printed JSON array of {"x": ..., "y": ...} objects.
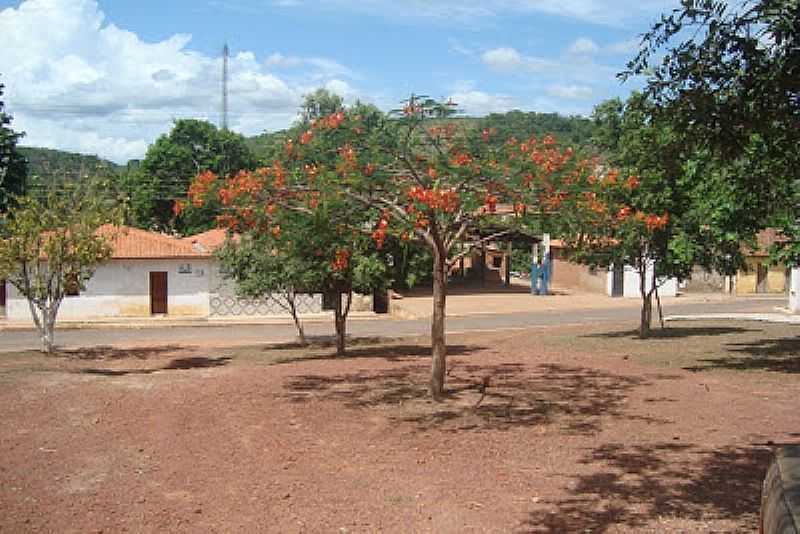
[
  {"x": 48, "y": 167},
  {"x": 569, "y": 130}
]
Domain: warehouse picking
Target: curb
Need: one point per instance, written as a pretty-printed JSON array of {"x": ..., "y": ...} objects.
[
  {"x": 194, "y": 322},
  {"x": 781, "y": 318}
]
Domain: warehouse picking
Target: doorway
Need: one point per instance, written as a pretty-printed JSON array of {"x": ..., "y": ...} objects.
[
  {"x": 618, "y": 282},
  {"x": 2, "y": 298},
  {"x": 158, "y": 293}
]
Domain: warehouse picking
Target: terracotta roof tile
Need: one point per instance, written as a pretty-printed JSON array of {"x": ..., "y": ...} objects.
[
  {"x": 132, "y": 243},
  {"x": 764, "y": 240},
  {"x": 208, "y": 241}
]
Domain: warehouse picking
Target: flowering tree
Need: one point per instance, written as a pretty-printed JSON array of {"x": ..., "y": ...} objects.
[
  {"x": 656, "y": 204},
  {"x": 408, "y": 176},
  {"x": 292, "y": 246}
]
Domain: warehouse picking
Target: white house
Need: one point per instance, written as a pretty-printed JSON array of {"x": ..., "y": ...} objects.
[{"x": 155, "y": 274}]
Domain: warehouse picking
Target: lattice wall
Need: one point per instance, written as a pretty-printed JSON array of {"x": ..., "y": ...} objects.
[{"x": 223, "y": 302}]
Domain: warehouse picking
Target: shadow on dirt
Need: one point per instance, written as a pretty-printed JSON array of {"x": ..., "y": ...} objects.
[
  {"x": 675, "y": 332},
  {"x": 384, "y": 352},
  {"x": 777, "y": 355},
  {"x": 649, "y": 485},
  {"x": 196, "y": 362},
  {"x": 104, "y": 352},
  {"x": 480, "y": 396}
]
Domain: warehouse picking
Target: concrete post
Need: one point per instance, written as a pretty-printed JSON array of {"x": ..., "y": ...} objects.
[{"x": 794, "y": 290}]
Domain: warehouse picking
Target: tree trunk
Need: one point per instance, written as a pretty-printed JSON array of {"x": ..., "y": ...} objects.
[
  {"x": 46, "y": 330},
  {"x": 301, "y": 334},
  {"x": 438, "y": 345},
  {"x": 647, "y": 304},
  {"x": 340, "y": 320}
]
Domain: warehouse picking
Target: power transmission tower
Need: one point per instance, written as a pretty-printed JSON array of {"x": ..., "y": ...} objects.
[{"x": 225, "y": 54}]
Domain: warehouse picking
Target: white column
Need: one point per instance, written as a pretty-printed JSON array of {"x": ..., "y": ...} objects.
[{"x": 794, "y": 291}]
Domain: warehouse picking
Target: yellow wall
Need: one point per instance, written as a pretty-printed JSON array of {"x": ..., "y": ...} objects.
[{"x": 746, "y": 280}]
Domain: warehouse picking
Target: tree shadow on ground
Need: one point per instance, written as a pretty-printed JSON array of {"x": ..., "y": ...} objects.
[
  {"x": 674, "y": 332},
  {"x": 195, "y": 362},
  {"x": 107, "y": 352},
  {"x": 650, "y": 485},
  {"x": 479, "y": 396},
  {"x": 777, "y": 355},
  {"x": 398, "y": 352},
  {"x": 326, "y": 341}
]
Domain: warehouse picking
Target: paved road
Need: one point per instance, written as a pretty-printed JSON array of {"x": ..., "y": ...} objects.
[{"x": 627, "y": 317}]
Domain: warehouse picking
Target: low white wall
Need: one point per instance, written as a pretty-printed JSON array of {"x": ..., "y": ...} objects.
[
  {"x": 121, "y": 288},
  {"x": 668, "y": 287}
]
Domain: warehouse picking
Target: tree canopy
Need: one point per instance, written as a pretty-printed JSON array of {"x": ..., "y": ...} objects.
[
  {"x": 159, "y": 186},
  {"x": 13, "y": 167},
  {"x": 728, "y": 75},
  {"x": 408, "y": 176}
]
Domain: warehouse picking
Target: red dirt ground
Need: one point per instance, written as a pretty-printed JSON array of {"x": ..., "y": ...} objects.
[{"x": 207, "y": 440}]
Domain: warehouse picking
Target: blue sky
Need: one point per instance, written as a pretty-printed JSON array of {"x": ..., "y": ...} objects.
[{"x": 108, "y": 76}]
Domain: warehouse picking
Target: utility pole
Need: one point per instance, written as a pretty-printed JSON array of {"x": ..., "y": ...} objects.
[{"x": 225, "y": 54}]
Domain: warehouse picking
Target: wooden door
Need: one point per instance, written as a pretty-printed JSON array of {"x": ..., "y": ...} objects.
[
  {"x": 158, "y": 292},
  {"x": 2, "y": 293}
]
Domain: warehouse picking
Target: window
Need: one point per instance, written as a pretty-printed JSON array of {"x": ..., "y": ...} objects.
[
  {"x": 497, "y": 262},
  {"x": 72, "y": 287}
]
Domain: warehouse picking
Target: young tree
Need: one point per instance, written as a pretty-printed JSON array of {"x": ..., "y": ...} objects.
[
  {"x": 411, "y": 176},
  {"x": 260, "y": 267},
  {"x": 13, "y": 166},
  {"x": 47, "y": 247},
  {"x": 300, "y": 252},
  {"x": 311, "y": 243},
  {"x": 658, "y": 204}
]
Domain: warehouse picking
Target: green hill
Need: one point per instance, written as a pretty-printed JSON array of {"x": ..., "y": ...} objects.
[{"x": 48, "y": 167}]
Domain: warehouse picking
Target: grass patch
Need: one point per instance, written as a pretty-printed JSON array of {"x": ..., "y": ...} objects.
[{"x": 693, "y": 345}]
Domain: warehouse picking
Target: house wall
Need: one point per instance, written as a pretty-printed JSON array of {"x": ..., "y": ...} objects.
[
  {"x": 121, "y": 288},
  {"x": 703, "y": 281},
  {"x": 631, "y": 284},
  {"x": 747, "y": 280},
  {"x": 573, "y": 275}
]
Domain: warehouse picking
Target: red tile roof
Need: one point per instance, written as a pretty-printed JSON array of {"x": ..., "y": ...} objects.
[
  {"x": 208, "y": 241},
  {"x": 764, "y": 240},
  {"x": 132, "y": 243}
]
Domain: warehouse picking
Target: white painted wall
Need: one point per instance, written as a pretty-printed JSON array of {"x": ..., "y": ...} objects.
[
  {"x": 631, "y": 286},
  {"x": 121, "y": 288},
  {"x": 668, "y": 287},
  {"x": 794, "y": 291}
]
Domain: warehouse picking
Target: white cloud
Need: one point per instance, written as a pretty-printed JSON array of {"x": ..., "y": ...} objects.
[
  {"x": 502, "y": 59},
  {"x": 87, "y": 85},
  {"x": 583, "y": 46},
  {"x": 571, "y": 92},
  {"x": 623, "y": 48},
  {"x": 604, "y": 12},
  {"x": 479, "y": 103},
  {"x": 506, "y": 59}
]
